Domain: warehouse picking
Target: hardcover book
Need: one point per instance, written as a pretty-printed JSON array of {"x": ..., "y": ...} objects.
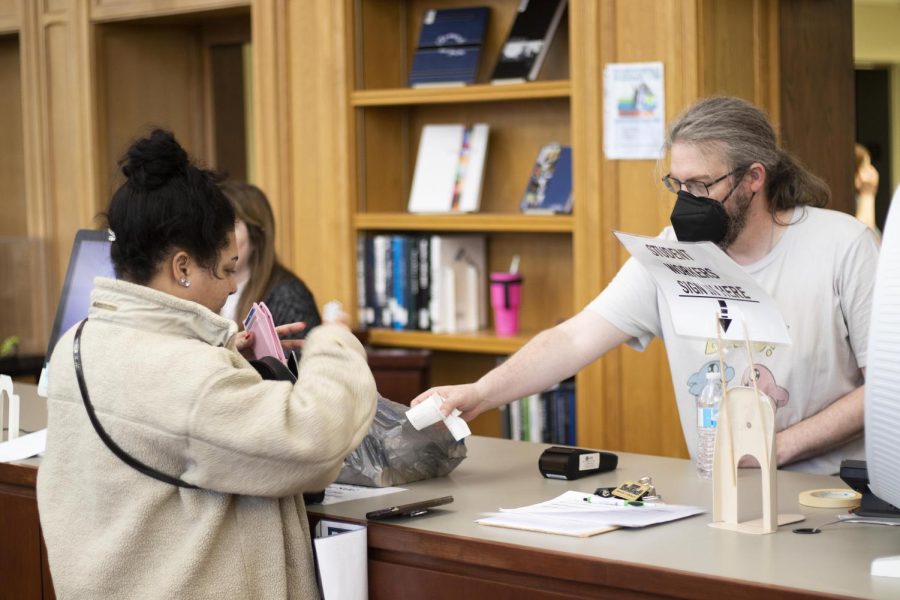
[
  {"x": 449, "y": 169},
  {"x": 529, "y": 39},
  {"x": 549, "y": 188},
  {"x": 449, "y": 46}
]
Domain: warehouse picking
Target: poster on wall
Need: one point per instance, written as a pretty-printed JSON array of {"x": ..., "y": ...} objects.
[{"x": 633, "y": 110}]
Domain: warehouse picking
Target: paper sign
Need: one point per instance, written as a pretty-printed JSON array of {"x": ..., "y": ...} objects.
[
  {"x": 702, "y": 285},
  {"x": 633, "y": 110}
]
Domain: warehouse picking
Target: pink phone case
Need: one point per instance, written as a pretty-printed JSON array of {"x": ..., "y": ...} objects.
[{"x": 265, "y": 339}]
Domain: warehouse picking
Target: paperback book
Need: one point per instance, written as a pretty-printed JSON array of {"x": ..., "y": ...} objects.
[
  {"x": 449, "y": 46},
  {"x": 449, "y": 169},
  {"x": 549, "y": 188},
  {"x": 525, "y": 49}
]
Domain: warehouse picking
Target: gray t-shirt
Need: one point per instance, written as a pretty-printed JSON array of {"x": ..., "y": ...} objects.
[{"x": 821, "y": 274}]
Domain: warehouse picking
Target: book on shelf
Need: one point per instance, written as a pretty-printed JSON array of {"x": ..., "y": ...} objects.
[
  {"x": 529, "y": 39},
  {"x": 449, "y": 169},
  {"x": 449, "y": 48},
  {"x": 548, "y": 417},
  {"x": 422, "y": 282},
  {"x": 549, "y": 188},
  {"x": 458, "y": 283}
]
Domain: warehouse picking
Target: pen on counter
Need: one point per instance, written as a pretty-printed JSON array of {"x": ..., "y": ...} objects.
[{"x": 624, "y": 502}]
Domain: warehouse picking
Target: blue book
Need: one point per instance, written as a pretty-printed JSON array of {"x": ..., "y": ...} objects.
[
  {"x": 453, "y": 27},
  {"x": 457, "y": 65},
  {"x": 572, "y": 423},
  {"x": 549, "y": 188},
  {"x": 449, "y": 46},
  {"x": 400, "y": 290}
]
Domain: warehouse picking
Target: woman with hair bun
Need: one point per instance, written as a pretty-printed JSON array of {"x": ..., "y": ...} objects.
[
  {"x": 172, "y": 469},
  {"x": 259, "y": 273}
]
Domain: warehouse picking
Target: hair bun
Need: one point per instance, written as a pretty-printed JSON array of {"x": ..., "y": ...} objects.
[{"x": 152, "y": 161}]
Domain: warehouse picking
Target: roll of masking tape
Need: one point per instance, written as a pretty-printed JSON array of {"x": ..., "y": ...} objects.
[{"x": 835, "y": 498}]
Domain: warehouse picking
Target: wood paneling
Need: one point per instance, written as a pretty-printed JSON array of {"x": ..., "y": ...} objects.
[
  {"x": 149, "y": 76},
  {"x": 229, "y": 133},
  {"x": 10, "y": 17},
  {"x": 12, "y": 151},
  {"x": 112, "y": 10},
  {"x": 820, "y": 133},
  {"x": 334, "y": 137},
  {"x": 20, "y": 552},
  {"x": 58, "y": 128},
  {"x": 323, "y": 251}
]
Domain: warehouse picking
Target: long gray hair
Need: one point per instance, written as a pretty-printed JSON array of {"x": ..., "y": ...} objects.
[{"x": 744, "y": 134}]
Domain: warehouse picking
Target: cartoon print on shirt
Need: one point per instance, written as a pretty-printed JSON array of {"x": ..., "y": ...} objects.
[
  {"x": 698, "y": 379},
  {"x": 757, "y": 347},
  {"x": 765, "y": 380}
]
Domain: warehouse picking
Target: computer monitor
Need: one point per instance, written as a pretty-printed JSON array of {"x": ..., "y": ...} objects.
[
  {"x": 89, "y": 259},
  {"x": 882, "y": 402}
]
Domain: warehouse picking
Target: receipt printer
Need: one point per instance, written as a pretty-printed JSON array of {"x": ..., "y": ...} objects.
[{"x": 558, "y": 462}]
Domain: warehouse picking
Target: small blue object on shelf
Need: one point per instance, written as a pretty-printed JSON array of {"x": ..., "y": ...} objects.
[
  {"x": 449, "y": 46},
  {"x": 549, "y": 188}
]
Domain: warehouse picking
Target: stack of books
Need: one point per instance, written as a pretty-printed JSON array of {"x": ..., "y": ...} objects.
[
  {"x": 432, "y": 283},
  {"x": 450, "y": 41},
  {"x": 548, "y": 417}
]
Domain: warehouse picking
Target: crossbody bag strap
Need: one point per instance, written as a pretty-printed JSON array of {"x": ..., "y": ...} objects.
[{"x": 115, "y": 448}]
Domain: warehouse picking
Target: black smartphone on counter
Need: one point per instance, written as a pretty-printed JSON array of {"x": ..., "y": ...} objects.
[{"x": 412, "y": 509}]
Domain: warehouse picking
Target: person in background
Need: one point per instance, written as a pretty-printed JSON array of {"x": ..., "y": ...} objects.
[
  {"x": 259, "y": 274},
  {"x": 216, "y": 511},
  {"x": 865, "y": 182},
  {"x": 735, "y": 187}
]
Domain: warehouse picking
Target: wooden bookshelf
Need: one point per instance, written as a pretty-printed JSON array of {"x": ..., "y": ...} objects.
[
  {"x": 479, "y": 222},
  {"x": 386, "y": 120},
  {"x": 624, "y": 401},
  {"x": 536, "y": 90},
  {"x": 334, "y": 130},
  {"x": 481, "y": 342}
]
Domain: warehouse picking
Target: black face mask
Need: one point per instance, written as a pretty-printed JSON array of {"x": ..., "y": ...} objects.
[{"x": 698, "y": 219}]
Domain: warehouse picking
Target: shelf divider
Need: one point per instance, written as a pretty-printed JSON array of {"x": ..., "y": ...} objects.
[
  {"x": 481, "y": 342},
  {"x": 478, "y": 222},
  {"x": 485, "y": 92}
]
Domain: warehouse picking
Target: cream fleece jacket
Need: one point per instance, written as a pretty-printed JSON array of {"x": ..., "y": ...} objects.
[{"x": 169, "y": 388}]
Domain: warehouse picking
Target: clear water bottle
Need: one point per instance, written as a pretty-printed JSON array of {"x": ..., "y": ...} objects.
[{"x": 708, "y": 403}]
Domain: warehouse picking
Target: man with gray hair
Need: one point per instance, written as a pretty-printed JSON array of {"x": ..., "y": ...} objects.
[{"x": 737, "y": 188}]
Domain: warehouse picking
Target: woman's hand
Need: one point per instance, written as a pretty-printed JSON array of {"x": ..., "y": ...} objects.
[
  {"x": 243, "y": 342},
  {"x": 289, "y": 329}
]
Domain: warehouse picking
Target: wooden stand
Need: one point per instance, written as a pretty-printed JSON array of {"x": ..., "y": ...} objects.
[{"x": 746, "y": 427}]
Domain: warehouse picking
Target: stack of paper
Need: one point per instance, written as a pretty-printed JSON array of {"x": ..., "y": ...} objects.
[{"x": 582, "y": 515}]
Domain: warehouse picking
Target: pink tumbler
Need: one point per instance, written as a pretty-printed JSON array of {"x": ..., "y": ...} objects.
[{"x": 506, "y": 293}]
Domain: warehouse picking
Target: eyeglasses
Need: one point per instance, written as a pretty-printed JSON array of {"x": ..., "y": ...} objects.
[{"x": 697, "y": 188}]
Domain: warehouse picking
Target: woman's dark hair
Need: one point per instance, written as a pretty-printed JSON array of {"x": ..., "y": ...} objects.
[{"x": 167, "y": 203}]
